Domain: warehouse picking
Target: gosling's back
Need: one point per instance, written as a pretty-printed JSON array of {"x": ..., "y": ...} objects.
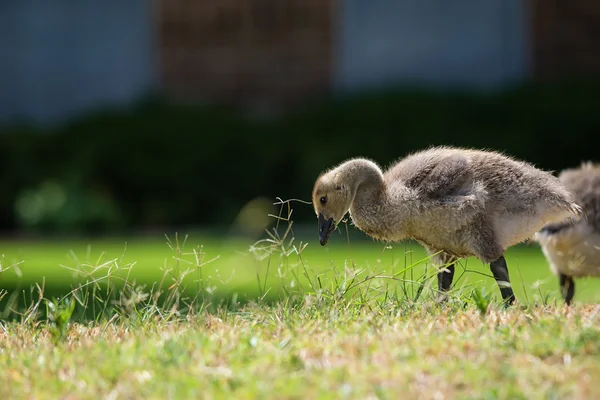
[{"x": 511, "y": 186}]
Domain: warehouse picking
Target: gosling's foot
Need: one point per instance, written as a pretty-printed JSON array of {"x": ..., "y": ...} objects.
[{"x": 441, "y": 298}]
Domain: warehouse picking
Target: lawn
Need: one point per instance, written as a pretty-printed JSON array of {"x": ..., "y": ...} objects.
[
  {"x": 229, "y": 268},
  {"x": 286, "y": 319},
  {"x": 319, "y": 350}
]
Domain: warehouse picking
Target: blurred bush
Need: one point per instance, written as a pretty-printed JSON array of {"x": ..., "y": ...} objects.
[
  {"x": 67, "y": 207},
  {"x": 162, "y": 165}
]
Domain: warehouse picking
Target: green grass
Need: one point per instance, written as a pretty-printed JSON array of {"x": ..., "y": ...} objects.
[
  {"x": 317, "y": 350},
  {"x": 237, "y": 272},
  {"x": 355, "y": 319}
]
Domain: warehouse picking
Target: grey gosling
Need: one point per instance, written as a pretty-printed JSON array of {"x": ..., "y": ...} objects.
[
  {"x": 573, "y": 249},
  {"x": 455, "y": 202}
]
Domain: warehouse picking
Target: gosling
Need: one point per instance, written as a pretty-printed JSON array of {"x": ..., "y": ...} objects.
[
  {"x": 573, "y": 249},
  {"x": 456, "y": 202}
]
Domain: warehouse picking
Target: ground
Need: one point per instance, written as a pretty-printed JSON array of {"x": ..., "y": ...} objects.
[
  {"x": 235, "y": 271},
  {"x": 276, "y": 319},
  {"x": 312, "y": 352}
]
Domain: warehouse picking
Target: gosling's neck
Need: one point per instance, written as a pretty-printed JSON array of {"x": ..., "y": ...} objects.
[
  {"x": 380, "y": 211},
  {"x": 359, "y": 173},
  {"x": 367, "y": 192}
]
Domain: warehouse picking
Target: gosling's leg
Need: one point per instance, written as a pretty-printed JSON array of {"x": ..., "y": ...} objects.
[
  {"x": 489, "y": 250},
  {"x": 445, "y": 277},
  {"x": 445, "y": 263},
  {"x": 500, "y": 271},
  {"x": 567, "y": 287}
]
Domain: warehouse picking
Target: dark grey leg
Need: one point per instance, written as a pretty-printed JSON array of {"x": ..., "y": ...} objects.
[
  {"x": 567, "y": 287},
  {"x": 500, "y": 272},
  {"x": 445, "y": 278}
]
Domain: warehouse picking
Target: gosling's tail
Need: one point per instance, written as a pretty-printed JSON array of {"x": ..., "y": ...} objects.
[{"x": 576, "y": 210}]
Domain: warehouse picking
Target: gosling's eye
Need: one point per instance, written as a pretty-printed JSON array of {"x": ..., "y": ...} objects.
[{"x": 323, "y": 200}]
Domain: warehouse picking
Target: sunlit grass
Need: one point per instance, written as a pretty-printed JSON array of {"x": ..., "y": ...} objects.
[
  {"x": 205, "y": 317},
  {"x": 237, "y": 271},
  {"x": 313, "y": 351}
]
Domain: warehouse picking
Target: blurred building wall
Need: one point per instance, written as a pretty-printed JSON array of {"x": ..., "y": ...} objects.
[
  {"x": 566, "y": 37},
  {"x": 61, "y": 57},
  {"x": 249, "y": 52},
  {"x": 437, "y": 42}
]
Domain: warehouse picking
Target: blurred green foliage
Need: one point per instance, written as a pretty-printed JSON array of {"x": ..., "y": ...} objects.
[{"x": 159, "y": 164}]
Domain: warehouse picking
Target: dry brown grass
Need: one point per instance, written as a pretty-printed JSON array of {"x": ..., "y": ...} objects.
[{"x": 314, "y": 352}]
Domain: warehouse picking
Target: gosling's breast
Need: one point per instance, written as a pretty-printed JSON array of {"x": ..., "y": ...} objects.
[{"x": 377, "y": 230}]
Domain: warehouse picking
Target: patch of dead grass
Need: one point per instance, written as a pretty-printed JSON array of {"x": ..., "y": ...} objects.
[{"x": 262, "y": 351}]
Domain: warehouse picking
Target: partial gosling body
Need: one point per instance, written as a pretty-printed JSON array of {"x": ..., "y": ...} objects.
[
  {"x": 456, "y": 202},
  {"x": 573, "y": 249}
]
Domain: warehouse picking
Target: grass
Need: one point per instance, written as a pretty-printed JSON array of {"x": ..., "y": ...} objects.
[
  {"x": 235, "y": 269},
  {"x": 281, "y": 319},
  {"x": 313, "y": 351}
]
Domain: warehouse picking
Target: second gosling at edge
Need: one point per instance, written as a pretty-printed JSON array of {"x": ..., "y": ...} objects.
[
  {"x": 456, "y": 202},
  {"x": 573, "y": 249}
]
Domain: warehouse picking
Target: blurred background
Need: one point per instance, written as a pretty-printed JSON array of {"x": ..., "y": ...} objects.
[
  {"x": 128, "y": 117},
  {"x": 157, "y": 114}
]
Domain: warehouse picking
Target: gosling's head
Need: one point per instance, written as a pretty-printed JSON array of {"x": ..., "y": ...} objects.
[{"x": 332, "y": 200}]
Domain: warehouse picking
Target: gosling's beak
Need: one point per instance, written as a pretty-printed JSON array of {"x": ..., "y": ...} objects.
[{"x": 326, "y": 226}]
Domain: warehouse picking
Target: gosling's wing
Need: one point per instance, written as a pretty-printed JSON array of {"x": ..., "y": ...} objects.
[
  {"x": 434, "y": 174},
  {"x": 412, "y": 170},
  {"x": 448, "y": 177},
  {"x": 551, "y": 229}
]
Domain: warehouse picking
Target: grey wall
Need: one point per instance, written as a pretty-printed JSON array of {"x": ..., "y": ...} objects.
[
  {"x": 60, "y": 57},
  {"x": 460, "y": 42}
]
